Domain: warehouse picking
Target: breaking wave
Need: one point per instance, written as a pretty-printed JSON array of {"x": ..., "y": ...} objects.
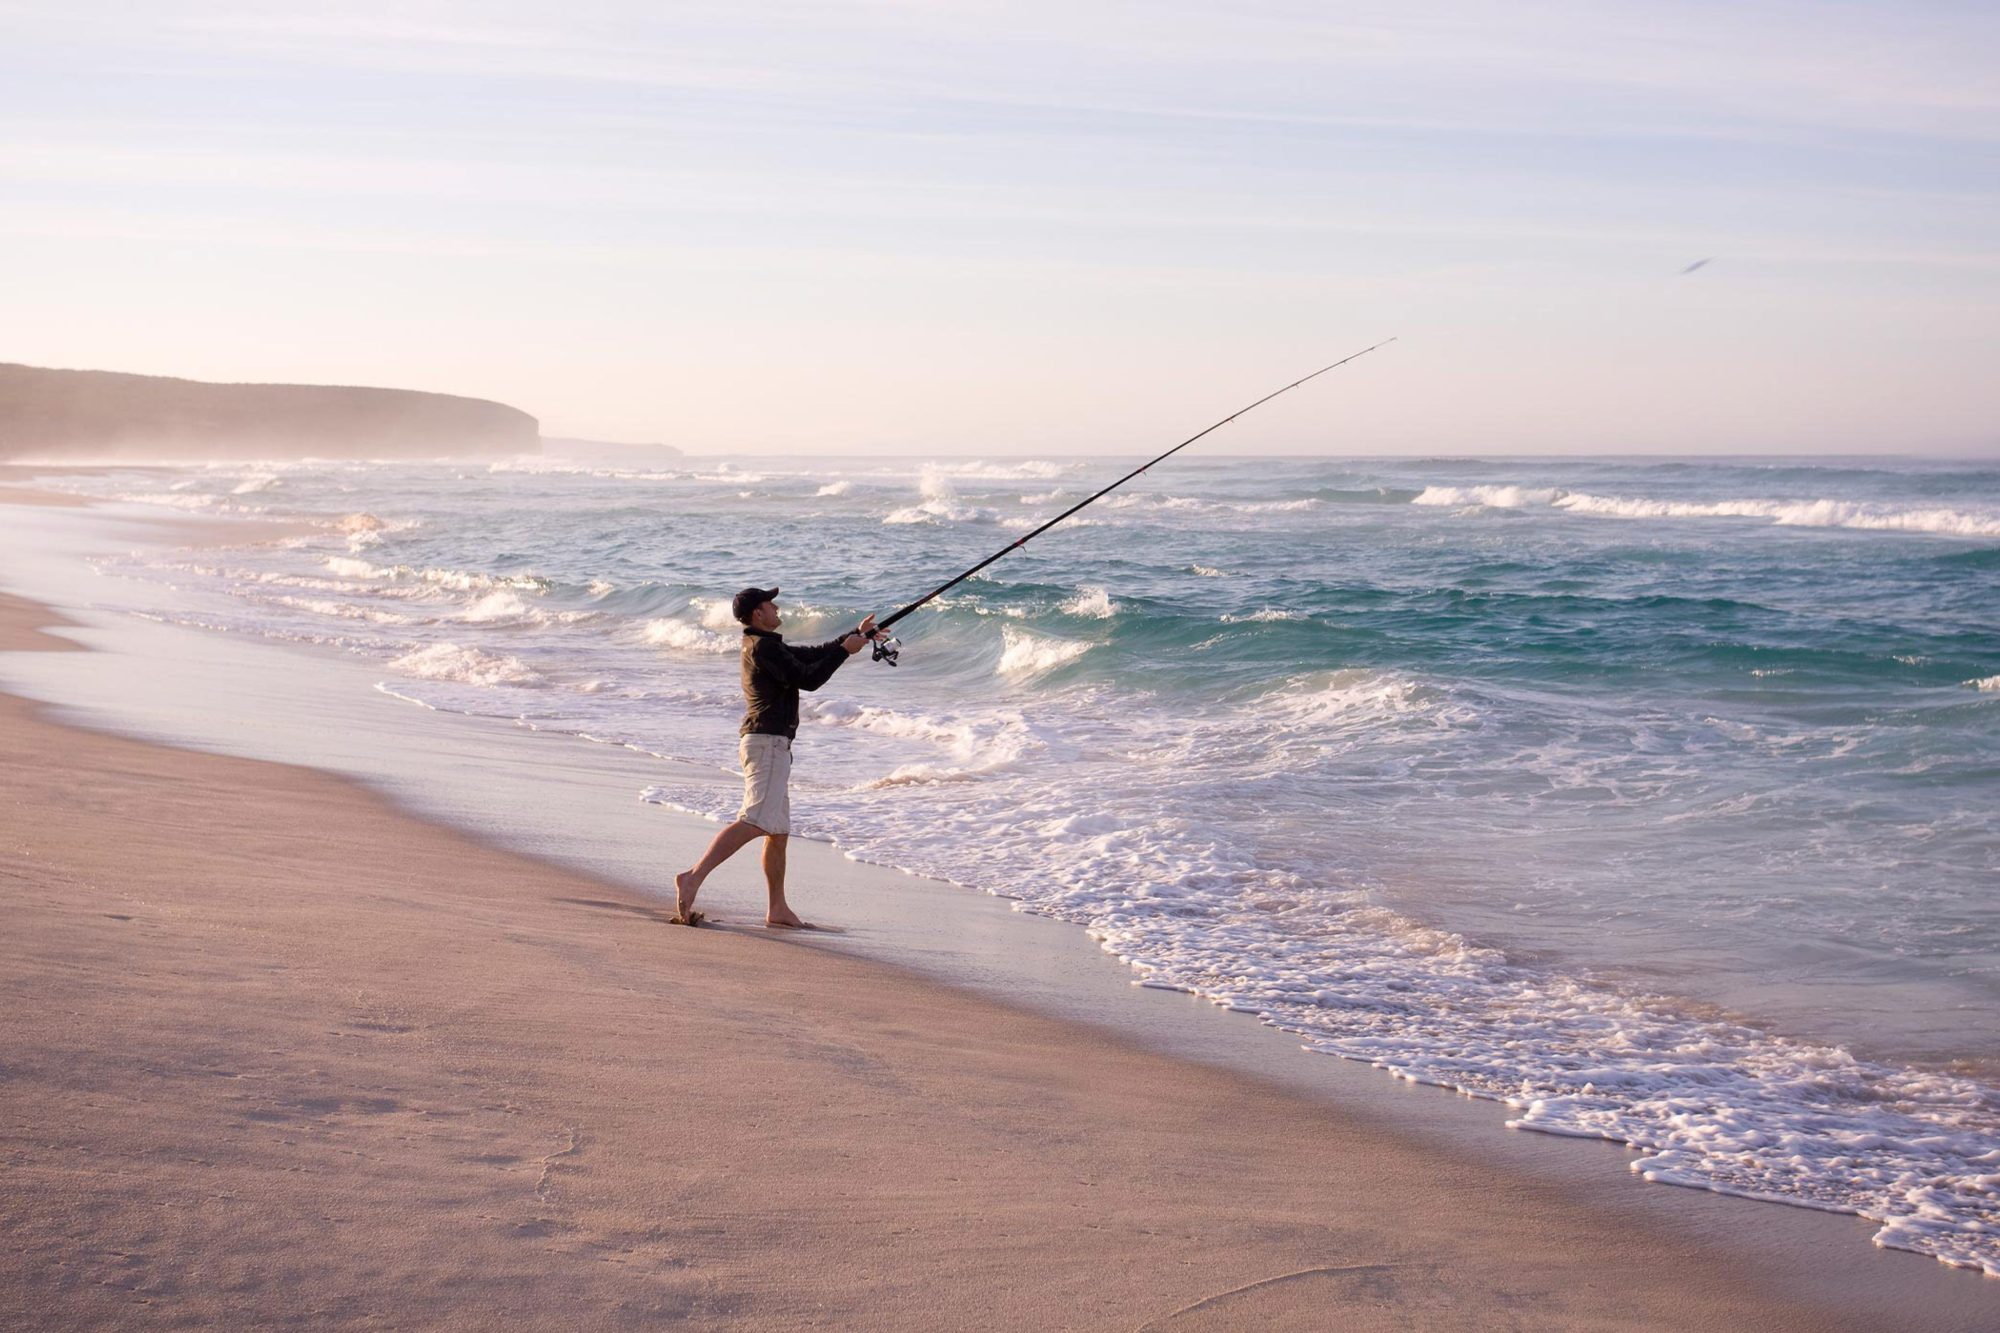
[
  {"x": 940, "y": 504},
  {"x": 667, "y": 632},
  {"x": 1092, "y": 604},
  {"x": 468, "y": 666},
  {"x": 1493, "y": 497},
  {"x": 1820, "y": 513},
  {"x": 1025, "y": 654}
]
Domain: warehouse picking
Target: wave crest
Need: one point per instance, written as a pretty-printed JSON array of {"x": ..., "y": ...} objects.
[
  {"x": 1092, "y": 604},
  {"x": 469, "y": 666},
  {"x": 1263, "y": 614},
  {"x": 1824, "y": 513},
  {"x": 1025, "y": 654},
  {"x": 1815, "y": 513},
  {"x": 1492, "y": 497},
  {"x": 668, "y": 632},
  {"x": 940, "y": 504}
]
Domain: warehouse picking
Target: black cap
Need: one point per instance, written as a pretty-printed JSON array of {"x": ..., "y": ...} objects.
[{"x": 749, "y": 600}]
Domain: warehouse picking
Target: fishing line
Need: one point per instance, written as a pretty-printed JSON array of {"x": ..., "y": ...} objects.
[{"x": 886, "y": 648}]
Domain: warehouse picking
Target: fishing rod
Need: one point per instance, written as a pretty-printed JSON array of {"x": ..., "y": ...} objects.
[{"x": 887, "y": 648}]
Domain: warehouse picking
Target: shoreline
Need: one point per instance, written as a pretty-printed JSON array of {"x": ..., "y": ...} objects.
[
  {"x": 1956, "y": 1309},
  {"x": 1778, "y": 986},
  {"x": 371, "y": 1067}
]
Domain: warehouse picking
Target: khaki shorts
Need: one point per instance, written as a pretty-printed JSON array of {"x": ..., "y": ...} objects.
[{"x": 767, "y": 779}]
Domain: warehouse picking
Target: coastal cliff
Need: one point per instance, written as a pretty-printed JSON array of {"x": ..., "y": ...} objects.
[{"x": 98, "y": 413}]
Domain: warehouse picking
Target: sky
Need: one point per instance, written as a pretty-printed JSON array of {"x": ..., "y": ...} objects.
[{"x": 1034, "y": 228}]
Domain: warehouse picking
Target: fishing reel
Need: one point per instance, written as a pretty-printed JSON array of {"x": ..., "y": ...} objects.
[{"x": 887, "y": 649}]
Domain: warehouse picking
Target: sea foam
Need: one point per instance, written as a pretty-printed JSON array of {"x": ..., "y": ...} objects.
[
  {"x": 1816, "y": 513},
  {"x": 667, "y": 632},
  {"x": 1025, "y": 654},
  {"x": 1793, "y": 513},
  {"x": 1261, "y": 615},
  {"x": 466, "y": 665},
  {"x": 1496, "y": 497},
  {"x": 1092, "y": 604},
  {"x": 940, "y": 503}
]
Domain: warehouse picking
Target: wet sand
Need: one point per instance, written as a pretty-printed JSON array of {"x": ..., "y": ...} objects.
[
  {"x": 278, "y": 1052},
  {"x": 28, "y": 495}
]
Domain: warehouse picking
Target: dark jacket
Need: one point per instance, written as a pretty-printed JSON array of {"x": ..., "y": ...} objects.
[{"x": 773, "y": 674}]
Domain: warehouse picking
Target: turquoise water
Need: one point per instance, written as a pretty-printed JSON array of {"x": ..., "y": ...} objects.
[{"x": 1655, "y": 798}]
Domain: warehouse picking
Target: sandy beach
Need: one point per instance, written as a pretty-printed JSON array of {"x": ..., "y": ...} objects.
[
  {"x": 1314, "y": 670},
  {"x": 280, "y": 1053}
]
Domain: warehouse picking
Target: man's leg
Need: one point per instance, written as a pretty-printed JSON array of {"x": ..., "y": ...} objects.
[
  {"x": 727, "y": 843},
  {"x": 779, "y": 913}
]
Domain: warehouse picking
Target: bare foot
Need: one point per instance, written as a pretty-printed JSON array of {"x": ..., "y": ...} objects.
[
  {"x": 786, "y": 919},
  {"x": 684, "y": 913}
]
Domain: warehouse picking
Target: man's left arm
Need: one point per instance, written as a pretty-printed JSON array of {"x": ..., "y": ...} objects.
[{"x": 818, "y": 663}]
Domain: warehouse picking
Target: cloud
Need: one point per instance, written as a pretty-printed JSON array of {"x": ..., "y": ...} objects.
[
  {"x": 1914, "y": 68},
  {"x": 1926, "y": 63}
]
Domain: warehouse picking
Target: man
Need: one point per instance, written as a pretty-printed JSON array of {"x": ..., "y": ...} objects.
[{"x": 773, "y": 674}]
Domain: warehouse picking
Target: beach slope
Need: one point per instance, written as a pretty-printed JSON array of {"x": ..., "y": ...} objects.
[{"x": 278, "y": 1053}]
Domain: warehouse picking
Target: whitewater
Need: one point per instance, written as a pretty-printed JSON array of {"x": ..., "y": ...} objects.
[{"x": 1653, "y": 799}]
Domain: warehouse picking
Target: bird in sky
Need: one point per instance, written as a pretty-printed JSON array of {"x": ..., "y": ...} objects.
[{"x": 1695, "y": 265}]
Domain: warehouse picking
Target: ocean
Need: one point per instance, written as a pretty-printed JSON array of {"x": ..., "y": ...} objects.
[{"x": 1655, "y": 799}]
